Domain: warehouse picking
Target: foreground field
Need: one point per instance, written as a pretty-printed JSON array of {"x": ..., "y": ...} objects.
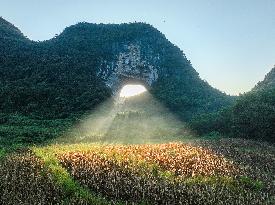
[{"x": 202, "y": 172}]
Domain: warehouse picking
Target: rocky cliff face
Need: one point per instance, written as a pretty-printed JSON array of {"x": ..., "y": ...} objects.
[{"x": 130, "y": 67}]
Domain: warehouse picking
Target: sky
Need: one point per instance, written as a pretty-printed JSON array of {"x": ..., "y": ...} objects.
[{"x": 231, "y": 43}]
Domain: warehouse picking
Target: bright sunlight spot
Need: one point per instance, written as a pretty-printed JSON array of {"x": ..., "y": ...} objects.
[{"x": 131, "y": 90}]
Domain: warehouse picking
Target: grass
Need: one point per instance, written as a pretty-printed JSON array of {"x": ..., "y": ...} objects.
[
  {"x": 257, "y": 185},
  {"x": 19, "y": 129},
  {"x": 238, "y": 185},
  {"x": 2, "y": 153},
  {"x": 6, "y": 150}
]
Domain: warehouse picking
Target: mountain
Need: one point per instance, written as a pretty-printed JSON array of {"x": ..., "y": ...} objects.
[
  {"x": 268, "y": 82},
  {"x": 252, "y": 116},
  {"x": 88, "y": 63},
  {"x": 9, "y": 31}
]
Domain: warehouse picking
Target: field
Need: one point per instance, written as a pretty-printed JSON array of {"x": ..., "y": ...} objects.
[
  {"x": 131, "y": 153},
  {"x": 220, "y": 171}
]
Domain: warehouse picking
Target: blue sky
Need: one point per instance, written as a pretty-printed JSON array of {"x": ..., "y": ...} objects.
[{"x": 231, "y": 43}]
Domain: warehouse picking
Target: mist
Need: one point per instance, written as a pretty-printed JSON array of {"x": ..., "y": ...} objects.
[{"x": 137, "y": 119}]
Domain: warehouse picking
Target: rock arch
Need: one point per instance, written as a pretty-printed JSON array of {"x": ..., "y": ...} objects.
[{"x": 131, "y": 68}]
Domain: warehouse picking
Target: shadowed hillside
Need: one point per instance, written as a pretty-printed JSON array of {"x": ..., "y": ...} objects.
[
  {"x": 78, "y": 69},
  {"x": 252, "y": 116},
  {"x": 268, "y": 82}
]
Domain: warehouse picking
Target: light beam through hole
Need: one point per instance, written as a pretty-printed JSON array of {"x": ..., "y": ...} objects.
[
  {"x": 132, "y": 90},
  {"x": 132, "y": 116}
]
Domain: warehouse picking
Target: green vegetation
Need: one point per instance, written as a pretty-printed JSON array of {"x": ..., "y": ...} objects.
[
  {"x": 237, "y": 185},
  {"x": 253, "y": 184},
  {"x": 45, "y": 87},
  {"x": 189, "y": 96},
  {"x": 17, "y": 129},
  {"x": 252, "y": 116},
  {"x": 268, "y": 82},
  {"x": 62, "y": 76},
  {"x": 137, "y": 120},
  {"x": 2, "y": 153}
]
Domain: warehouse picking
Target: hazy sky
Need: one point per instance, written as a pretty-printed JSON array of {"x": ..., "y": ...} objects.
[{"x": 231, "y": 43}]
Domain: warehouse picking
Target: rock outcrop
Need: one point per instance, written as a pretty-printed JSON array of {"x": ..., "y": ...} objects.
[{"x": 130, "y": 67}]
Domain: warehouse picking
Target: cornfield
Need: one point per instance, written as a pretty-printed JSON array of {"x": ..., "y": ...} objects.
[
  {"x": 172, "y": 173},
  {"x": 204, "y": 172}
]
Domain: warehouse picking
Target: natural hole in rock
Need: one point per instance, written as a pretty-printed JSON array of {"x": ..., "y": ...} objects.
[{"x": 132, "y": 90}]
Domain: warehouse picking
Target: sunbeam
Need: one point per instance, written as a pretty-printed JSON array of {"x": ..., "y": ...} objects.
[{"x": 134, "y": 119}]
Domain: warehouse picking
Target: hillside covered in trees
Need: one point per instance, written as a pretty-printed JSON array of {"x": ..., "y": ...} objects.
[
  {"x": 70, "y": 73},
  {"x": 51, "y": 83},
  {"x": 252, "y": 116}
]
